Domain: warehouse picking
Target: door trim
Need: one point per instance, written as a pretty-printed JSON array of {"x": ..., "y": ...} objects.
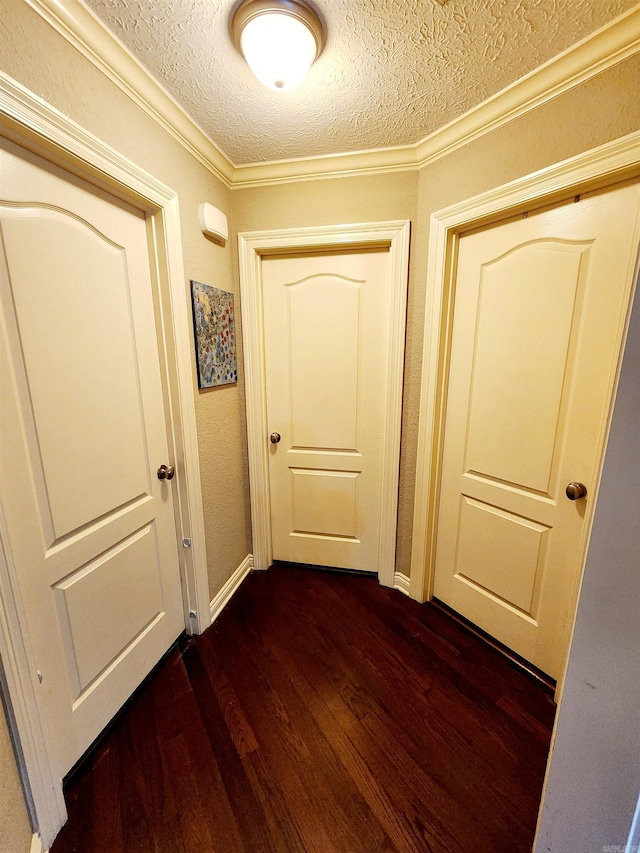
[
  {"x": 252, "y": 246},
  {"x": 595, "y": 169},
  {"x": 35, "y": 125}
]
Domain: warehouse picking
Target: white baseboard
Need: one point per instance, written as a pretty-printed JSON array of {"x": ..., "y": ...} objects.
[
  {"x": 227, "y": 591},
  {"x": 401, "y": 582},
  {"x": 36, "y": 844}
]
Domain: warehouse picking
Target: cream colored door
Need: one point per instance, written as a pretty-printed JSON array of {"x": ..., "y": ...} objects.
[
  {"x": 540, "y": 307},
  {"x": 326, "y": 344},
  {"x": 87, "y": 525}
]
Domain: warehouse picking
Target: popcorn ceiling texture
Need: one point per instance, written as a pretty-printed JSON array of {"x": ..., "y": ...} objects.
[{"x": 392, "y": 71}]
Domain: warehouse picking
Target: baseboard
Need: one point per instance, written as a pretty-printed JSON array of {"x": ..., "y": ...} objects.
[
  {"x": 401, "y": 582},
  {"x": 36, "y": 844},
  {"x": 227, "y": 591}
]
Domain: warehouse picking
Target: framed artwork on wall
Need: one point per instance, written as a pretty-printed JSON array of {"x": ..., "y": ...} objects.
[{"x": 215, "y": 335}]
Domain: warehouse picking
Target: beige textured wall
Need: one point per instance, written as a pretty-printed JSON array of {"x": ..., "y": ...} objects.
[
  {"x": 15, "y": 829},
  {"x": 35, "y": 55},
  {"x": 595, "y": 112}
]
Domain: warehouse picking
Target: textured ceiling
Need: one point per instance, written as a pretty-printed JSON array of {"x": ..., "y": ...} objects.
[{"x": 392, "y": 71}]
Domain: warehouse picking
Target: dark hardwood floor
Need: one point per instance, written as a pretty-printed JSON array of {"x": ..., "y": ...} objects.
[{"x": 320, "y": 713}]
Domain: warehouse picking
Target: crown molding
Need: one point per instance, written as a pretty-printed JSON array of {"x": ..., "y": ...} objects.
[
  {"x": 604, "y": 48},
  {"x": 86, "y": 32},
  {"x": 611, "y": 44},
  {"x": 371, "y": 162}
]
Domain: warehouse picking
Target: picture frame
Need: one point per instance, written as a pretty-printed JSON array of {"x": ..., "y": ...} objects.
[{"x": 215, "y": 335}]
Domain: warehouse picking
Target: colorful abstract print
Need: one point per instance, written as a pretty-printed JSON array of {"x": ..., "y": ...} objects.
[{"x": 215, "y": 334}]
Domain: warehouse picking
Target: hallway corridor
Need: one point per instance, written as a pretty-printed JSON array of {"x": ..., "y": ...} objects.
[{"x": 321, "y": 712}]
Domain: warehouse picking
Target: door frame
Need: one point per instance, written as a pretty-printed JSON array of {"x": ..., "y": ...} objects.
[
  {"x": 35, "y": 125},
  {"x": 252, "y": 247},
  {"x": 594, "y": 169}
]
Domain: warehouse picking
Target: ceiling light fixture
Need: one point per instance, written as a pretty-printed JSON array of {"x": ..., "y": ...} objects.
[{"x": 280, "y": 39}]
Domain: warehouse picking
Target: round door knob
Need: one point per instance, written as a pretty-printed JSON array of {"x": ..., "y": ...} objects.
[
  {"x": 275, "y": 437},
  {"x": 166, "y": 472},
  {"x": 575, "y": 491}
]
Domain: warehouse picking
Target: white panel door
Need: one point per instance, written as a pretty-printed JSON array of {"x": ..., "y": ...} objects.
[
  {"x": 89, "y": 527},
  {"x": 326, "y": 349},
  {"x": 540, "y": 306}
]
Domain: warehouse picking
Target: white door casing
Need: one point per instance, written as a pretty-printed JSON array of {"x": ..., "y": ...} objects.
[
  {"x": 593, "y": 169},
  {"x": 326, "y": 339},
  {"x": 391, "y": 238},
  {"x": 540, "y": 307},
  {"x": 32, "y": 123}
]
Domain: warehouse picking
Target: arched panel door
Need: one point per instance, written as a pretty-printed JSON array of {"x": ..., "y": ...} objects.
[
  {"x": 540, "y": 305},
  {"x": 90, "y": 527},
  {"x": 326, "y": 323}
]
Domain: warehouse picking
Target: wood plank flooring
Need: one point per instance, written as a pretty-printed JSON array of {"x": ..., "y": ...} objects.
[{"x": 320, "y": 713}]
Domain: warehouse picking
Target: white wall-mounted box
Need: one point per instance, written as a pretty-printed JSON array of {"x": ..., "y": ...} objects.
[{"x": 213, "y": 222}]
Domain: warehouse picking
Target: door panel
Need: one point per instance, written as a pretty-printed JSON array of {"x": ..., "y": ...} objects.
[
  {"x": 540, "y": 308},
  {"x": 324, "y": 323},
  {"x": 79, "y": 326},
  {"x": 326, "y": 339},
  {"x": 504, "y": 540},
  {"x": 324, "y": 502},
  {"x": 91, "y": 529},
  {"x": 511, "y": 434},
  {"x": 105, "y": 605}
]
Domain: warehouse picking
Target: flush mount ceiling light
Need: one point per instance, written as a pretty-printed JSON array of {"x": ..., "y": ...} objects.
[{"x": 280, "y": 39}]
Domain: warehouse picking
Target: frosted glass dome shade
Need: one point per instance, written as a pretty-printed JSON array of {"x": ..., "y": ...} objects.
[
  {"x": 278, "y": 49},
  {"x": 280, "y": 39}
]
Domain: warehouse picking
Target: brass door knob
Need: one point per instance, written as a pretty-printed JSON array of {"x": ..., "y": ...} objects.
[
  {"x": 166, "y": 472},
  {"x": 575, "y": 491},
  {"x": 275, "y": 437}
]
